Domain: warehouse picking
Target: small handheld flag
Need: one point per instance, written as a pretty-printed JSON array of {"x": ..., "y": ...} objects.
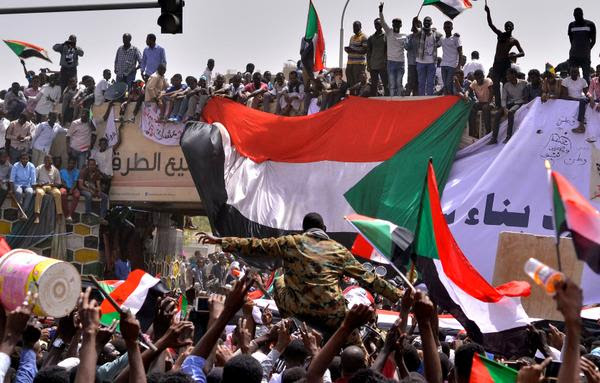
[
  {"x": 574, "y": 213},
  {"x": 313, "y": 52},
  {"x": 450, "y": 8},
  {"x": 26, "y": 50}
]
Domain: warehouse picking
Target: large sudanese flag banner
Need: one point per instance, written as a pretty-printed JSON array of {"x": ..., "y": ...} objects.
[{"x": 258, "y": 174}]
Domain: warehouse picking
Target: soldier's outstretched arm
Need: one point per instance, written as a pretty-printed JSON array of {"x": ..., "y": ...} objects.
[
  {"x": 267, "y": 247},
  {"x": 369, "y": 280}
]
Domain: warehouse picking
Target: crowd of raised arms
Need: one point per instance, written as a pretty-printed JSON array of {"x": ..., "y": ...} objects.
[{"x": 236, "y": 341}]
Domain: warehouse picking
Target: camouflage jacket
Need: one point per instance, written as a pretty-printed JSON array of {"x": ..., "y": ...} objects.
[{"x": 313, "y": 267}]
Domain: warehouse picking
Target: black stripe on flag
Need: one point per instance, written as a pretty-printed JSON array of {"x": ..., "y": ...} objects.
[
  {"x": 587, "y": 251},
  {"x": 447, "y": 10},
  {"x": 512, "y": 342},
  {"x": 202, "y": 147}
]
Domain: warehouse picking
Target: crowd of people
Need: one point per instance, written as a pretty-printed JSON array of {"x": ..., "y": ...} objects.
[
  {"x": 310, "y": 334},
  {"x": 51, "y": 115}
]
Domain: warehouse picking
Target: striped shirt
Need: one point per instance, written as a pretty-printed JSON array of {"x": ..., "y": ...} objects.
[{"x": 358, "y": 41}]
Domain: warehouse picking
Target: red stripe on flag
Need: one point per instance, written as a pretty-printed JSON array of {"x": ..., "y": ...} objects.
[
  {"x": 456, "y": 266},
  {"x": 355, "y": 130},
  {"x": 121, "y": 293},
  {"x": 479, "y": 372}
]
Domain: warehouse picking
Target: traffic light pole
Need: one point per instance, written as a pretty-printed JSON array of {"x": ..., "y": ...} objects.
[{"x": 79, "y": 8}]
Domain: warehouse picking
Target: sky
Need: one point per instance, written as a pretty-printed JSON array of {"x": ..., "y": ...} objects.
[{"x": 267, "y": 32}]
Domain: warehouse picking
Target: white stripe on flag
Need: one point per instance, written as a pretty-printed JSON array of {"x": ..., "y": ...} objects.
[
  {"x": 505, "y": 314},
  {"x": 279, "y": 194},
  {"x": 136, "y": 299}
]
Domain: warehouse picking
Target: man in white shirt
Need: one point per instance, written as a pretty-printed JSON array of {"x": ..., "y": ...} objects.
[
  {"x": 104, "y": 156},
  {"x": 451, "y": 52},
  {"x": 42, "y": 138},
  {"x": 210, "y": 65},
  {"x": 396, "y": 44},
  {"x": 48, "y": 180},
  {"x": 577, "y": 89},
  {"x": 473, "y": 65},
  {"x": 4, "y": 123},
  {"x": 48, "y": 98},
  {"x": 102, "y": 86}
]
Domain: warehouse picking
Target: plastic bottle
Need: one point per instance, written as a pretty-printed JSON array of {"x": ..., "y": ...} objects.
[{"x": 543, "y": 274}]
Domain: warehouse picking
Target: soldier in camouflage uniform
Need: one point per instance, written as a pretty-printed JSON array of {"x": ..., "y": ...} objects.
[{"x": 313, "y": 268}]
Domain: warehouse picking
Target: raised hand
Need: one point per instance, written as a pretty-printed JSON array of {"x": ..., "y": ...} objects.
[
  {"x": 569, "y": 298},
  {"x": 222, "y": 355},
  {"x": 244, "y": 336},
  {"x": 556, "y": 338},
  {"x": 408, "y": 300},
  {"x": 16, "y": 320},
  {"x": 216, "y": 305},
  {"x": 358, "y": 316},
  {"x": 267, "y": 316},
  {"x": 381, "y": 7},
  {"x": 310, "y": 338},
  {"x": 534, "y": 373},
  {"x": 105, "y": 334},
  {"x": 130, "y": 327},
  {"x": 237, "y": 297},
  {"x": 423, "y": 308},
  {"x": 177, "y": 335},
  {"x": 283, "y": 335},
  {"x": 590, "y": 370},
  {"x": 167, "y": 307},
  {"x": 89, "y": 313}
]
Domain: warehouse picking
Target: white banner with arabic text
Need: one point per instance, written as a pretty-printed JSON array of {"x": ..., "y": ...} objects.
[
  {"x": 504, "y": 187},
  {"x": 163, "y": 132}
]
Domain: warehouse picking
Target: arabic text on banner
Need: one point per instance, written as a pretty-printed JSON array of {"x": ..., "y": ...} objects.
[
  {"x": 165, "y": 133},
  {"x": 496, "y": 188}
]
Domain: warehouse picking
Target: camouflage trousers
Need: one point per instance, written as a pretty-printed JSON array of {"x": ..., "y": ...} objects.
[{"x": 290, "y": 304}]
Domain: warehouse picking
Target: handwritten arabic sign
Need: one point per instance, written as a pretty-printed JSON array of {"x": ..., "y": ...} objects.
[
  {"x": 165, "y": 133},
  {"x": 492, "y": 189}
]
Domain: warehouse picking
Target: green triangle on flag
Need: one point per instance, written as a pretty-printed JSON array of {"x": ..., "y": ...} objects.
[{"x": 484, "y": 370}]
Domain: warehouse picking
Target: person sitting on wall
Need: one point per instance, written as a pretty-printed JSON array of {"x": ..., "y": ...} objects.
[
  {"x": 22, "y": 179},
  {"x": 89, "y": 187},
  {"x": 48, "y": 180},
  {"x": 70, "y": 176},
  {"x": 104, "y": 156}
]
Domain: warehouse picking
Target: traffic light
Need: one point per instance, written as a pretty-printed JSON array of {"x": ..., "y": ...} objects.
[{"x": 171, "y": 16}]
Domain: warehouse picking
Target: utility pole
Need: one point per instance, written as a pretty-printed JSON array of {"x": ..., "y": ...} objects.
[{"x": 342, "y": 36}]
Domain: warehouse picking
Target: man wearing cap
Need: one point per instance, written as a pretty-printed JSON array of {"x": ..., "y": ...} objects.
[
  {"x": 153, "y": 56},
  {"x": 69, "y": 59}
]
